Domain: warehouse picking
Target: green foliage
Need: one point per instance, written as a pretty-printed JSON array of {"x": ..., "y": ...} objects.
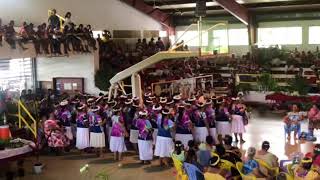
[
  {"x": 102, "y": 77},
  {"x": 300, "y": 85},
  {"x": 267, "y": 83},
  {"x": 244, "y": 87}
]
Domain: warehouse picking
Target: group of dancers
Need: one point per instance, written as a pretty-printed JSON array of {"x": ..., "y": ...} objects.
[{"x": 151, "y": 124}]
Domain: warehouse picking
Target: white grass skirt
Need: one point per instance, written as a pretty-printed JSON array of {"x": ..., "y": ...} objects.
[
  {"x": 97, "y": 140},
  {"x": 145, "y": 150},
  {"x": 184, "y": 138},
  {"x": 117, "y": 144},
  {"x": 82, "y": 140},
  {"x": 164, "y": 146},
  {"x": 134, "y": 136},
  {"x": 223, "y": 128},
  {"x": 200, "y": 134},
  {"x": 213, "y": 133},
  {"x": 68, "y": 132},
  {"x": 237, "y": 125},
  {"x": 154, "y": 136}
]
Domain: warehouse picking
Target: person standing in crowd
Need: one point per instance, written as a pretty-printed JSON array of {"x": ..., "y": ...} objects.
[
  {"x": 211, "y": 121},
  {"x": 118, "y": 132},
  {"x": 184, "y": 126},
  {"x": 200, "y": 123},
  {"x": 237, "y": 120},
  {"x": 97, "y": 137},
  {"x": 82, "y": 140},
  {"x": 145, "y": 138},
  {"x": 160, "y": 45},
  {"x": 54, "y": 20},
  {"x": 129, "y": 114},
  {"x": 292, "y": 121},
  {"x": 164, "y": 143},
  {"x": 154, "y": 116}
]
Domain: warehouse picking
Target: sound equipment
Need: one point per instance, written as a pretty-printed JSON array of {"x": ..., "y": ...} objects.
[{"x": 201, "y": 8}]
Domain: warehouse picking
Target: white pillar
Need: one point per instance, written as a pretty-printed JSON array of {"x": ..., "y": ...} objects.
[{"x": 136, "y": 86}]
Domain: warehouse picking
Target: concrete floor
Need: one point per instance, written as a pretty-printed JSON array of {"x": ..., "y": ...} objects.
[{"x": 266, "y": 126}]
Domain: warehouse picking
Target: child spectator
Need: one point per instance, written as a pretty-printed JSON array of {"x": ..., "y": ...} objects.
[
  {"x": 54, "y": 20},
  {"x": 178, "y": 151}
]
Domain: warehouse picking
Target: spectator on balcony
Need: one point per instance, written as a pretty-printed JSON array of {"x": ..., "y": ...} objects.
[
  {"x": 160, "y": 45},
  {"x": 67, "y": 19},
  {"x": 33, "y": 37},
  {"x": 10, "y": 36},
  {"x": 89, "y": 37},
  {"x": 23, "y": 32},
  {"x": 54, "y": 20},
  {"x": 144, "y": 43},
  {"x": 42, "y": 35},
  {"x": 83, "y": 44}
]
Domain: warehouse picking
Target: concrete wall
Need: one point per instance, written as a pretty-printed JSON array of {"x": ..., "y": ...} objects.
[
  {"x": 80, "y": 66},
  {"x": 101, "y": 14}
]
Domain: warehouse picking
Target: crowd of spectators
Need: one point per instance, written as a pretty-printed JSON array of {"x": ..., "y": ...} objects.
[{"x": 48, "y": 37}]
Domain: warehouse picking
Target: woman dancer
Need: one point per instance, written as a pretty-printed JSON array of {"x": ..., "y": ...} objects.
[
  {"x": 97, "y": 137},
  {"x": 184, "y": 126},
  {"x": 82, "y": 140},
  {"x": 200, "y": 122},
  {"x": 145, "y": 138},
  {"x": 237, "y": 123},
  {"x": 118, "y": 132},
  {"x": 164, "y": 144}
]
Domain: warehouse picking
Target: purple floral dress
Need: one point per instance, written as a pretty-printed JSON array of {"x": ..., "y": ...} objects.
[
  {"x": 117, "y": 126},
  {"x": 82, "y": 120},
  {"x": 145, "y": 129},
  {"x": 65, "y": 117}
]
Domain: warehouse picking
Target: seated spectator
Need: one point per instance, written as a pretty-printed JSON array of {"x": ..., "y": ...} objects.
[
  {"x": 231, "y": 157},
  {"x": 229, "y": 148},
  {"x": 314, "y": 173},
  {"x": 214, "y": 168},
  {"x": 192, "y": 145},
  {"x": 301, "y": 170},
  {"x": 10, "y": 36},
  {"x": 251, "y": 166},
  {"x": 192, "y": 159},
  {"x": 54, "y": 20},
  {"x": 269, "y": 158},
  {"x": 178, "y": 151},
  {"x": 204, "y": 152}
]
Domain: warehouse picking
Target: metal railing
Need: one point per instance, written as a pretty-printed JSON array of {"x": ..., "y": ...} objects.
[{"x": 31, "y": 126}]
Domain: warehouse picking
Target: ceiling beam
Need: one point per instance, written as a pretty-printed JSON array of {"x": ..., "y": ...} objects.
[
  {"x": 237, "y": 10},
  {"x": 162, "y": 17}
]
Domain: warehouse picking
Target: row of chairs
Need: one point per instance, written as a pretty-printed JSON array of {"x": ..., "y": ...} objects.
[{"x": 187, "y": 171}]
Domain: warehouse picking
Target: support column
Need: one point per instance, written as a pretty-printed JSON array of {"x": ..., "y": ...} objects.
[
  {"x": 136, "y": 86},
  {"x": 252, "y": 31}
]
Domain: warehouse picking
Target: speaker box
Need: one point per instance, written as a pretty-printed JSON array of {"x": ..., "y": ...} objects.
[{"x": 201, "y": 8}]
